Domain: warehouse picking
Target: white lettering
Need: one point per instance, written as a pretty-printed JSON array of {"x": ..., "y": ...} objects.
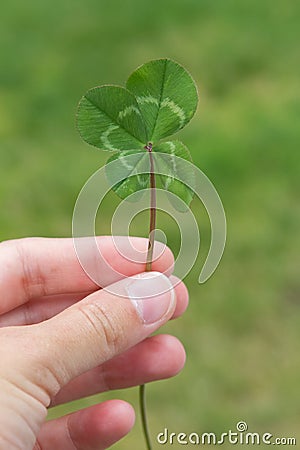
[{"x": 162, "y": 435}]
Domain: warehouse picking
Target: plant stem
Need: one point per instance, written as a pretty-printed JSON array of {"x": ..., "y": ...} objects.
[
  {"x": 142, "y": 393},
  {"x": 152, "y": 211},
  {"x": 142, "y": 397}
]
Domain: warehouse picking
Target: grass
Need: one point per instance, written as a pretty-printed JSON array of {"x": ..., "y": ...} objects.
[{"x": 241, "y": 331}]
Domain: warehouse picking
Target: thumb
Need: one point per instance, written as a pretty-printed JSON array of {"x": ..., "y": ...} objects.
[{"x": 104, "y": 324}]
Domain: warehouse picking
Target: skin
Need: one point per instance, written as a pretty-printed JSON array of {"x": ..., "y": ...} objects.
[{"x": 63, "y": 338}]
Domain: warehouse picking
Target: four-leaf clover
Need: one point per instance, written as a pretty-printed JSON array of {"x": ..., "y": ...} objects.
[{"x": 160, "y": 98}]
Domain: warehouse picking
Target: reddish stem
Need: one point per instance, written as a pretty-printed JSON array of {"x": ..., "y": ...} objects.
[
  {"x": 152, "y": 209},
  {"x": 152, "y": 226}
]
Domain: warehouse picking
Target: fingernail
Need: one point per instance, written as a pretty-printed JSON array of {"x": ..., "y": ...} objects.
[{"x": 153, "y": 296}]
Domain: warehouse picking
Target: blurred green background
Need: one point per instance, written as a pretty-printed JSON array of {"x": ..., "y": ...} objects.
[{"x": 241, "y": 331}]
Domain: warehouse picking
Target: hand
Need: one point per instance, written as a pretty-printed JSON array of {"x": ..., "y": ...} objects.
[{"x": 63, "y": 338}]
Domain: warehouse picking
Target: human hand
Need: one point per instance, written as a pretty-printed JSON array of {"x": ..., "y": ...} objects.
[{"x": 63, "y": 338}]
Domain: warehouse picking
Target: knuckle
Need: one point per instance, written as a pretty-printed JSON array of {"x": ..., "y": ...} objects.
[
  {"x": 103, "y": 325},
  {"x": 31, "y": 276}
]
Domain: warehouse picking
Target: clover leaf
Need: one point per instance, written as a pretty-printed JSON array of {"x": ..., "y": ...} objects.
[
  {"x": 109, "y": 118},
  {"x": 167, "y": 97}
]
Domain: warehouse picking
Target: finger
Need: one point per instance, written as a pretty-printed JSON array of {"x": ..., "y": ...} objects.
[
  {"x": 182, "y": 296},
  {"x": 36, "y": 267},
  {"x": 40, "y": 309},
  {"x": 92, "y": 331},
  {"x": 156, "y": 358},
  {"x": 94, "y": 428}
]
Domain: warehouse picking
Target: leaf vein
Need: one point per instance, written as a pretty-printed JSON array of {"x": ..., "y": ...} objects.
[{"x": 160, "y": 96}]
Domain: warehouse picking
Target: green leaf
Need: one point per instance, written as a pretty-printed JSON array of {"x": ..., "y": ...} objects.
[
  {"x": 109, "y": 118},
  {"x": 128, "y": 175},
  {"x": 180, "y": 174},
  {"x": 167, "y": 97}
]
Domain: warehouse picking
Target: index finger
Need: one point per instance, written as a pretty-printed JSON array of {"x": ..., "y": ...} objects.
[{"x": 35, "y": 267}]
